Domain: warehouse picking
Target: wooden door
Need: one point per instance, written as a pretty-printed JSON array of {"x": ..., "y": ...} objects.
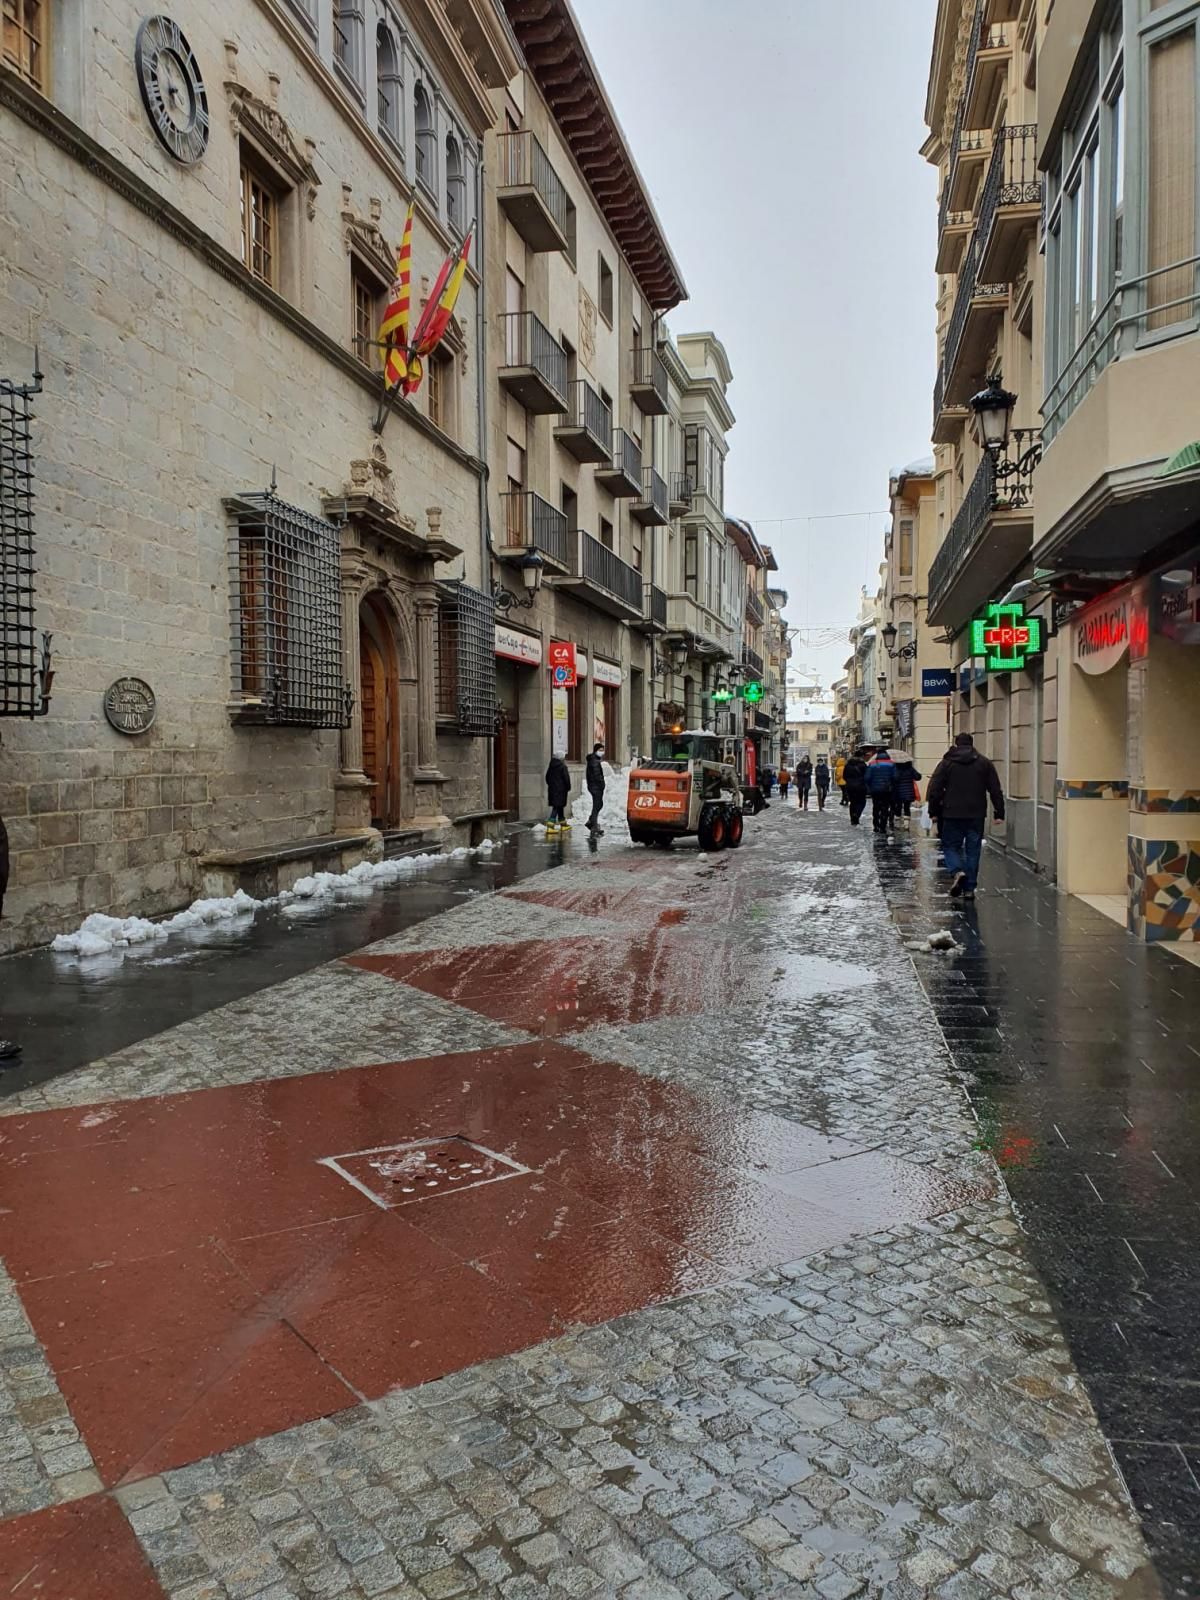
[
  {"x": 506, "y": 781},
  {"x": 374, "y": 721}
]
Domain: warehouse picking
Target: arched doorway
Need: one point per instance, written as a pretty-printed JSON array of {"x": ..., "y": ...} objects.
[{"x": 379, "y": 698}]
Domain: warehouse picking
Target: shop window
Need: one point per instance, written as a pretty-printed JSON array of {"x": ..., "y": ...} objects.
[
  {"x": 575, "y": 703},
  {"x": 287, "y": 635},
  {"x": 260, "y": 207},
  {"x": 26, "y": 40},
  {"x": 387, "y": 80}
]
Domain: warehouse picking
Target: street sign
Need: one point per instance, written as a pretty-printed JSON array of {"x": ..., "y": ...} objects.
[
  {"x": 1005, "y": 637},
  {"x": 936, "y": 681}
]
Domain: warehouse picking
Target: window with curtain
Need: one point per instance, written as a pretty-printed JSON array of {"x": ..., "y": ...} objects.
[{"x": 387, "y": 81}]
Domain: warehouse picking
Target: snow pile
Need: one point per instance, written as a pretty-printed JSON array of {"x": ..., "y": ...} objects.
[
  {"x": 616, "y": 797},
  {"x": 369, "y": 874},
  {"x": 944, "y": 940},
  {"x": 99, "y": 934}
]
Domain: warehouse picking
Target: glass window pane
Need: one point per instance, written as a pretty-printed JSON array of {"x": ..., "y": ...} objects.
[{"x": 1171, "y": 209}]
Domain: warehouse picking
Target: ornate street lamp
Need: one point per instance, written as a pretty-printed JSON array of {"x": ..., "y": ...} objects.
[
  {"x": 993, "y": 408},
  {"x": 531, "y": 566}
]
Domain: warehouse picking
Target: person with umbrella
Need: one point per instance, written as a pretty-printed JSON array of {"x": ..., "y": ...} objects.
[{"x": 907, "y": 778}]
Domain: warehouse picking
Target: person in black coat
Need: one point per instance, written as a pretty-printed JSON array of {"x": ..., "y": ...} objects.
[
  {"x": 854, "y": 781},
  {"x": 594, "y": 778},
  {"x": 9, "y": 1049},
  {"x": 558, "y": 792},
  {"x": 821, "y": 779},
  {"x": 907, "y": 778}
]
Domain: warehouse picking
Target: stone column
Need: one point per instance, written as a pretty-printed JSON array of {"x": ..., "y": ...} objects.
[{"x": 352, "y": 812}]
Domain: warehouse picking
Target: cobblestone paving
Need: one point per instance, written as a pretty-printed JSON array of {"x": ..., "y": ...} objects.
[
  {"x": 894, "y": 1418},
  {"x": 43, "y": 1461}
]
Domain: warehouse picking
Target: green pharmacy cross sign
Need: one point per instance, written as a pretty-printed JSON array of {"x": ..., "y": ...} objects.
[
  {"x": 1005, "y": 637},
  {"x": 753, "y": 692}
]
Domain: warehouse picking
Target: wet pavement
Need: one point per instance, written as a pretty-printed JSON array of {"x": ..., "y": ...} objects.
[
  {"x": 1080, "y": 1051},
  {"x": 624, "y": 1232}
]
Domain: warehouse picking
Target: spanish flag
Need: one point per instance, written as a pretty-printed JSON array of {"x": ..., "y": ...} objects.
[
  {"x": 439, "y": 308},
  {"x": 393, "y": 330}
]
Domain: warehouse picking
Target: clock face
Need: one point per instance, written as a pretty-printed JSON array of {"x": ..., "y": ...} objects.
[{"x": 172, "y": 88}]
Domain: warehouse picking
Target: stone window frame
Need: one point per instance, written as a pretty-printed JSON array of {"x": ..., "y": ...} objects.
[
  {"x": 389, "y": 102},
  {"x": 34, "y": 38},
  {"x": 349, "y": 44}
]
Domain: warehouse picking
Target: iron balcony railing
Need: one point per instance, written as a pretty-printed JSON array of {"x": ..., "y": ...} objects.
[
  {"x": 683, "y": 487},
  {"x": 752, "y": 659},
  {"x": 944, "y": 207},
  {"x": 1153, "y": 305},
  {"x": 599, "y": 565},
  {"x": 528, "y": 342},
  {"x": 654, "y": 493},
  {"x": 627, "y": 455},
  {"x": 586, "y": 410},
  {"x": 939, "y": 390},
  {"x": 969, "y": 288},
  {"x": 525, "y": 164},
  {"x": 1002, "y": 482},
  {"x": 531, "y": 523},
  {"x": 649, "y": 370},
  {"x": 984, "y": 36},
  {"x": 654, "y": 607},
  {"x": 1012, "y": 178},
  {"x": 754, "y": 607}
]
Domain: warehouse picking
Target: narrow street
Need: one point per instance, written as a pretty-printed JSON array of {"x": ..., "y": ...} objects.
[{"x": 731, "y": 1299}]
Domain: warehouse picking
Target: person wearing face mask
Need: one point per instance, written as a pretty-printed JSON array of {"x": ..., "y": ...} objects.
[{"x": 594, "y": 778}]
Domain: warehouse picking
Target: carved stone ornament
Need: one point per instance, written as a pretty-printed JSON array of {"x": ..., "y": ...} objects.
[
  {"x": 365, "y": 237},
  {"x": 370, "y": 506},
  {"x": 374, "y": 479},
  {"x": 587, "y": 328},
  {"x": 267, "y": 128}
]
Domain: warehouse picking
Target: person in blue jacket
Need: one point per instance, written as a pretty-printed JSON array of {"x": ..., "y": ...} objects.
[{"x": 881, "y": 786}]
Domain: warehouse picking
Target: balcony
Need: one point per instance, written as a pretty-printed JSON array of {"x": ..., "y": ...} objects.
[
  {"x": 988, "y": 55},
  {"x": 586, "y": 430},
  {"x": 969, "y": 156},
  {"x": 947, "y": 420},
  {"x": 991, "y": 534},
  {"x": 702, "y": 630},
  {"x": 654, "y": 611},
  {"x": 530, "y": 192},
  {"x": 954, "y": 229},
  {"x": 601, "y": 579},
  {"x": 622, "y": 477},
  {"x": 754, "y": 607},
  {"x": 752, "y": 661},
  {"x": 1011, "y": 205},
  {"x": 683, "y": 488},
  {"x": 531, "y": 523},
  {"x": 653, "y": 509},
  {"x": 971, "y": 331},
  {"x": 648, "y": 383},
  {"x": 534, "y": 369}
]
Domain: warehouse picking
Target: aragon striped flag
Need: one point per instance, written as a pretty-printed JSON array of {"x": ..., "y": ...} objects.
[
  {"x": 393, "y": 330},
  {"x": 439, "y": 308}
]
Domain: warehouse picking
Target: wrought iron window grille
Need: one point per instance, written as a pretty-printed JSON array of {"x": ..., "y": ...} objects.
[
  {"x": 25, "y": 673},
  {"x": 286, "y": 615},
  {"x": 466, "y": 665}
]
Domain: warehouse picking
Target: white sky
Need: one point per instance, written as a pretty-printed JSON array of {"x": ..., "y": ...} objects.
[{"x": 779, "y": 142}]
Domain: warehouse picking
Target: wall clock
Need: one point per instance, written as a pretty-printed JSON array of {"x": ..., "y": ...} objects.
[{"x": 172, "y": 88}]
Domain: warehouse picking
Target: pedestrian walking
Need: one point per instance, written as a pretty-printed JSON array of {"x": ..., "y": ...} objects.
[
  {"x": 558, "y": 792},
  {"x": 839, "y": 776},
  {"x": 959, "y": 792},
  {"x": 881, "y": 786},
  {"x": 594, "y": 778},
  {"x": 785, "y": 779},
  {"x": 804, "y": 776},
  {"x": 9, "y": 1048},
  {"x": 821, "y": 779},
  {"x": 854, "y": 786},
  {"x": 907, "y": 778}
]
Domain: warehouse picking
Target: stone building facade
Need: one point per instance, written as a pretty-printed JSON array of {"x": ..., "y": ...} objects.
[{"x": 215, "y": 515}]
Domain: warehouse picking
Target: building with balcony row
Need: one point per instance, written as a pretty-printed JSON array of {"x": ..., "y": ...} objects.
[
  {"x": 1068, "y": 248},
  {"x": 257, "y": 622}
]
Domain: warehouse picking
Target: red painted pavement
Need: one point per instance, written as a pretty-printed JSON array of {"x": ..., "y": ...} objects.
[{"x": 82, "y": 1551}]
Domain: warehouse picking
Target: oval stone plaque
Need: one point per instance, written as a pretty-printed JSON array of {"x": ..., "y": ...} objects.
[{"x": 129, "y": 705}]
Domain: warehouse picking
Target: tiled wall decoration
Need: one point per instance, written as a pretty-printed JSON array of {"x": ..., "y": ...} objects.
[
  {"x": 1151, "y": 801},
  {"x": 1091, "y": 788},
  {"x": 1164, "y": 889}
]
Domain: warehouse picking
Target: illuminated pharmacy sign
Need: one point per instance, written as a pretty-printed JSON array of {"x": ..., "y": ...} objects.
[{"x": 1006, "y": 638}]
